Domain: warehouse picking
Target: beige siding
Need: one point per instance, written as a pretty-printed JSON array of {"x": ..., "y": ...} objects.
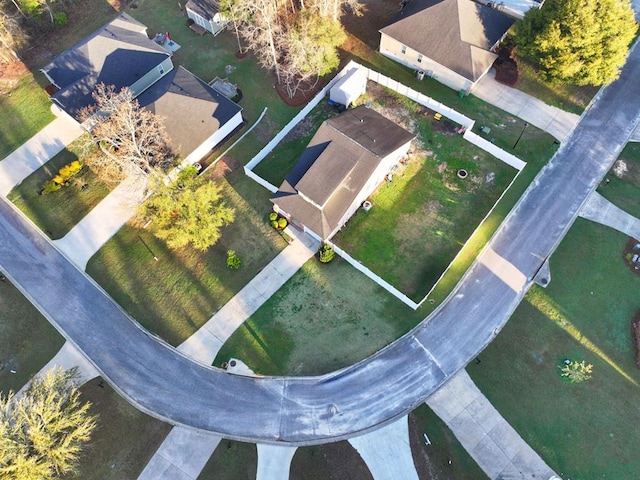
[
  {"x": 391, "y": 48},
  {"x": 377, "y": 177},
  {"x": 152, "y": 77}
]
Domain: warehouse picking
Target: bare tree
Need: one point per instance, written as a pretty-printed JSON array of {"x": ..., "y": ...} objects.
[
  {"x": 262, "y": 32},
  {"x": 11, "y": 35},
  {"x": 132, "y": 138}
]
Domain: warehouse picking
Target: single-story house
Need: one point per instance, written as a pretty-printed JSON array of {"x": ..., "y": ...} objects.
[
  {"x": 449, "y": 40},
  {"x": 120, "y": 54},
  {"x": 206, "y": 13},
  {"x": 347, "y": 158},
  {"x": 196, "y": 117}
]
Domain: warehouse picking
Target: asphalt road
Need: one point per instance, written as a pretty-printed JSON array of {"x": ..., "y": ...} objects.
[{"x": 297, "y": 410}]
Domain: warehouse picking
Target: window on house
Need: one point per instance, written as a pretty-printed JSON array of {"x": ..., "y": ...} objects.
[
  {"x": 161, "y": 69},
  {"x": 419, "y": 58},
  {"x": 404, "y": 49}
]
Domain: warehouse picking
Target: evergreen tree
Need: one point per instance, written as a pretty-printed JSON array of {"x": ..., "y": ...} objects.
[{"x": 581, "y": 42}]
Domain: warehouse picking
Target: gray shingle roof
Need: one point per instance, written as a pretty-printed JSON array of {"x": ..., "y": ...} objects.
[
  {"x": 205, "y": 8},
  {"x": 335, "y": 167},
  {"x": 457, "y": 34},
  {"x": 119, "y": 54},
  {"x": 192, "y": 111}
]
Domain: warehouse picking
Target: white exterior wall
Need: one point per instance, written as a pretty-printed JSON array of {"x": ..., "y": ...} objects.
[
  {"x": 374, "y": 180},
  {"x": 391, "y": 48},
  {"x": 214, "y": 139},
  {"x": 214, "y": 26},
  {"x": 152, "y": 77}
]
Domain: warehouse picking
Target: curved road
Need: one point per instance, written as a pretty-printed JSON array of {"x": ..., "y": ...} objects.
[{"x": 298, "y": 410}]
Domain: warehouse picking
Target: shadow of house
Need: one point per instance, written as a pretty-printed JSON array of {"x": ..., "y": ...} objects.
[
  {"x": 449, "y": 40},
  {"x": 347, "y": 158},
  {"x": 206, "y": 13},
  {"x": 196, "y": 117},
  {"x": 120, "y": 54}
]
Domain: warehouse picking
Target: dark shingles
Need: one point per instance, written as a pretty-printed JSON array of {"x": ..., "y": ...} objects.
[
  {"x": 119, "y": 54},
  {"x": 192, "y": 111},
  {"x": 335, "y": 167},
  {"x": 205, "y": 8},
  {"x": 455, "y": 33}
]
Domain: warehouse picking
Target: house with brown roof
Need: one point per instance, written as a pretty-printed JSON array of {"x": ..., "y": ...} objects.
[
  {"x": 119, "y": 53},
  {"x": 196, "y": 117},
  {"x": 345, "y": 161},
  {"x": 449, "y": 40}
]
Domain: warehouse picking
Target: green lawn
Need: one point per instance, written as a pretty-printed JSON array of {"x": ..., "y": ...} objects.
[
  {"x": 124, "y": 440},
  {"x": 58, "y": 212},
  {"x": 231, "y": 461},
  {"x": 584, "y": 314},
  {"x": 445, "y": 458},
  {"x": 623, "y": 191},
  {"x": 28, "y": 339},
  {"x": 314, "y": 325},
  {"x": 420, "y": 220},
  {"x": 23, "y": 112},
  {"x": 177, "y": 294}
]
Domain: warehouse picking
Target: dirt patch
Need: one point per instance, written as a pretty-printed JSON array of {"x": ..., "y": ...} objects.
[
  {"x": 631, "y": 255},
  {"x": 266, "y": 129},
  {"x": 223, "y": 167},
  {"x": 303, "y": 94},
  {"x": 10, "y": 75}
]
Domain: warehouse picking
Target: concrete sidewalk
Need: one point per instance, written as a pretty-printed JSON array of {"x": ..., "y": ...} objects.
[
  {"x": 38, "y": 150},
  {"x": 552, "y": 120},
  {"x": 274, "y": 462},
  {"x": 485, "y": 434},
  {"x": 182, "y": 456},
  {"x": 207, "y": 341},
  {"x": 387, "y": 451},
  {"x": 600, "y": 210},
  {"x": 103, "y": 222}
]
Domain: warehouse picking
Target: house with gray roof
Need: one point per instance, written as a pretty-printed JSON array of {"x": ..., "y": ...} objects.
[
  {"x": 206, "y": 13},
  {"x": 120, "y": 54},
  {"x": 449, "y": 40},
  {"x": 345, "y": 161},
  {"x": 196, "y": 117}
]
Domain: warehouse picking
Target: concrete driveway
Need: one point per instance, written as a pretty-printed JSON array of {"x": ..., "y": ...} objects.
[
  {"x": 552, "y": 120},
  {"x": 38, "y": 150}
]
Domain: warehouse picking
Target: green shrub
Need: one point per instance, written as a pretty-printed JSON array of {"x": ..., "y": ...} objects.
[
  {"x": 60, "y": 19},
  {"x": 233, "y": 261},
  {"x": 282, "y": 223},
  {"x": 62, "y": 178},
  {"x": 274, "y": 224},
  {"x": 326, "y": 253},
  {"x": 273, "y": 216},
  {"x": 50, "y": 187}
]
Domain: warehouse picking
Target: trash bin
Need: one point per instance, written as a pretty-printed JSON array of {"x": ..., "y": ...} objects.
[{"x": 420, "y": 74}]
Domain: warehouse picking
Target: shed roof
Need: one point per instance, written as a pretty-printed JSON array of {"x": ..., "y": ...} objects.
[
  {"x": 457, "y": 34},
  {"x": 336, "y": 165},
  {"x": 192, "y": 111},
  {"x": 119, "y": 54},
  {"x": 205, "y": 8}
]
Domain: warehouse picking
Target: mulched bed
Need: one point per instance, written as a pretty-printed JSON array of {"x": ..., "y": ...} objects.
[
  {"x": 506, "y": 66},
  {"x": 629, "y": 252}
]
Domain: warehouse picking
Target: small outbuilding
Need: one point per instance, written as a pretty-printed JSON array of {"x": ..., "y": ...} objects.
[
  {"x": 349, "y": 87},
  {"x": 206, "y": 13}
]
